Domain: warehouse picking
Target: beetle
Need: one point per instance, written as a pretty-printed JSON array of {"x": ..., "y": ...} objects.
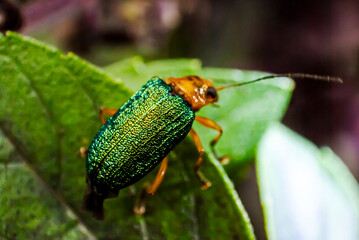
[{"x": 140, "y": 135}]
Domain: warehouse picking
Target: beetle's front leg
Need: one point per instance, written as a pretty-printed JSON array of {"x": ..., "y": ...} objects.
[
  {"x": 211, "y": 124},
  {"x": 205, "y": 183},
  {"x": 106, "y": 111},
  {"x": 140, "y": 208}
]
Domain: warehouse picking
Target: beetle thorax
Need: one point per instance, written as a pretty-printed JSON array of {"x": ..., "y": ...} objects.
[{"x": 197, "y": 92}]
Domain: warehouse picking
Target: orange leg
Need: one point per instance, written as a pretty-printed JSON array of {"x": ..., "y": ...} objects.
[
  {"x": 140, "y": 207},
  {"x": 211, "y": 124},
  {"x": 205, "y": 183},
  {"x": 106, "y": 111},
  {"x": 159, "y": 177}
]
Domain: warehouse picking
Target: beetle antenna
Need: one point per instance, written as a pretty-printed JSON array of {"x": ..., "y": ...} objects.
[{"x": 289, "y": 75}]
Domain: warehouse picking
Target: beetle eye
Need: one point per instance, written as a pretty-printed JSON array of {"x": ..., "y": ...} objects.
[{"x": 211, "y": 92}]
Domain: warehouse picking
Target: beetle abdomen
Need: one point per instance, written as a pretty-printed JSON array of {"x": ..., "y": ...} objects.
[{"x": 142, "y": 132}]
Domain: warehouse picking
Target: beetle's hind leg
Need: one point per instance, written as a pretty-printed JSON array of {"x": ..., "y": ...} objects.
[
  {"x": 140, "y": 207},
  {"x": 205, "y": 183},
  {"x": 211, "y": 124},
  {"x": 103, "y": 111},
  {"x": 106, "y": 111}
]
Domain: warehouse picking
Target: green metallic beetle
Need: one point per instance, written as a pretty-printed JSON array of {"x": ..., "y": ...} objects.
[{"x": 145, "y": 129}]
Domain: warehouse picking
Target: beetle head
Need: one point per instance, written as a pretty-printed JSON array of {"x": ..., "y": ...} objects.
[
  {"x": 199, "y": 92},
  {"x": 196, "y": 91}
]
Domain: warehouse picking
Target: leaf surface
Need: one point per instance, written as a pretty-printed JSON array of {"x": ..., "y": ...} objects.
[{"x": 49, "y": 109}]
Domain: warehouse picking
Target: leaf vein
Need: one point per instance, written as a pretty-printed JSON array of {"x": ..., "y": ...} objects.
[{"x": 46, "y": 110}]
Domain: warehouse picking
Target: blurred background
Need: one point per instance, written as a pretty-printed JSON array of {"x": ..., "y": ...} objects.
[{"x": 320, "y": 37}]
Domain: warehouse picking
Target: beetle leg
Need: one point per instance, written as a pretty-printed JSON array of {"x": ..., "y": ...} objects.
[
  {"x": 205, "y": 183},
  {"x": 103, "y": 111},
  {"x": 159, "y": 177},
  {"x": 106, "y": 111},
  {"x": 140, "y": 207},
  {"x": 211, "y": 124},
  {"x": 83, "y": 152}
]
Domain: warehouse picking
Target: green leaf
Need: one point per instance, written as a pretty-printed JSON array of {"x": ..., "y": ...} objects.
[
  {"x": 243, "y": 112},
  {"x": 49, "y": 109},
  {"x": 27, "y": 203},
  {"x": 135, "y": 73},
  {"x": 306, "y": 192}
]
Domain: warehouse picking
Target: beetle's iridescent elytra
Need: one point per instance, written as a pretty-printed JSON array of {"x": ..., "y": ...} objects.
[{"x": 145, "y": 129}]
